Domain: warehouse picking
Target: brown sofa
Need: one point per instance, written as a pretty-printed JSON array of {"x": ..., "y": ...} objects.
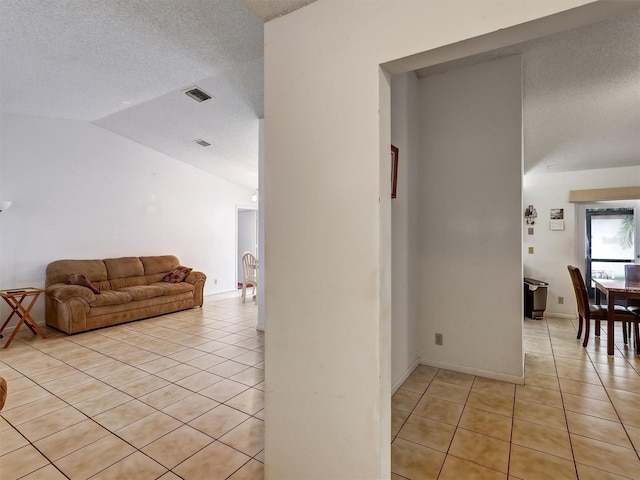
[{"x": 131, "y": 288}]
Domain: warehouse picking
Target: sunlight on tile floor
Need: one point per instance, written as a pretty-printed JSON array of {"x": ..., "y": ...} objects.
[
  {"x": 176, "y": 396},
  {"x": 578, "y": 416},
  {"x": 181, "y": 396}
]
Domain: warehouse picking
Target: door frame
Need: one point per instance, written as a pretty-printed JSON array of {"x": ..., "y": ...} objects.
[
  {"x": 243, "y": 208},
  {"x": 581, "y": 230}
]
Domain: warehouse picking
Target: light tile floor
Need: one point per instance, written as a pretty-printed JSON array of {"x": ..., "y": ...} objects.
[
  {"x": 181, "y": 396},
  {"x": 176, "y": 396},
  {"x": 577, "y": 416}
]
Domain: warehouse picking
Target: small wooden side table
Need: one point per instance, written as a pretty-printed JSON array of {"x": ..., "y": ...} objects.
[{"x": 15, "y": 298}]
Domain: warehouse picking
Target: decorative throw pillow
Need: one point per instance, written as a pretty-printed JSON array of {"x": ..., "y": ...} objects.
[
  {"x": 177, "y": 275},
  {"x": 77, "y": 279}
]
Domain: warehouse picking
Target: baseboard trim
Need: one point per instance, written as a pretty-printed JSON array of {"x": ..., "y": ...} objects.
[
  {"x": 503, "y": 377},
  {"x": 6, "y": 333},
  {"x": 398, "y": 383},
  {"x": 561, "y": 315},
  {"x": 220, "y": 292}
]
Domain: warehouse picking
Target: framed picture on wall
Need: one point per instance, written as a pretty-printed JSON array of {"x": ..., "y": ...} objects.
[
  {"x": 557, "y": 219},
  {"x": 394, "y": 171}
]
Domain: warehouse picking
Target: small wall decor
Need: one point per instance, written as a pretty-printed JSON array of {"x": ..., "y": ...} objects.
[
  {"x": 557, "y": 219},
  {"x": 394, "y": 171},
  {"x": 530, "y": 214}
]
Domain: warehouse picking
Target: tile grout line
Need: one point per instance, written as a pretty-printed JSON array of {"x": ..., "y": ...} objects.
[
  {"x": 414, "y": 407},
  {"x": 598, "y": 374},
  {"x": 606, "y": 389},
  {"x": 78, "y": 370},
  {"x": 513, "y": 413},
  {"x": 564, "y": 410},
  {"x": 479, "y": 433}
]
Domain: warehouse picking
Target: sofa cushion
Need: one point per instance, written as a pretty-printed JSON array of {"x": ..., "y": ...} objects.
[
  {"x": 177, "y": 275},
  {"x": 125, "y": 272},
  {"x": 94, "y": 270},
  {"x": 81, "y": 280},
  {"x": 159, "y": 264},
  {"x": 173, "y": 288},
  {"x": 113, "y": 314},
  {"x": 142, "y": 292},
  {"x": 102, "y": 285},
  {"x": 111, "y": 297},
  {"x": 124, "y": 267},
  {"x": 118, "y": 283}
]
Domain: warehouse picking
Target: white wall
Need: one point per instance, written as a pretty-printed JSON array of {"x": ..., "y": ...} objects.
[
  {"x": 470, "y": 221},
  {"x": 554, "y": 250},
  {"x": 327, "y": 135},
  {"x": 80, "y": 191},
  {"x": 405, "y": 134}
]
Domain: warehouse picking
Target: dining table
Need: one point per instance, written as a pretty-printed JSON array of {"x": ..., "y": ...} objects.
[{"x": 614, "y": 289}]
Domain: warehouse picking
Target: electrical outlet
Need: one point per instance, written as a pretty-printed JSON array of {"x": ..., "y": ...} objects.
[
  {"x": 215, "y": 281},
  {"x": 438, "y": 339},
  {"x": 560, "y": 300},
  {"x": 530, "y": 250},
  {"x": 530, "y": 230}
]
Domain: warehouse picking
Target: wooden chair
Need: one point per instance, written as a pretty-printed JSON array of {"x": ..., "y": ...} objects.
[
  {"x": 3, "y": 392},
  {"x": 632, "y": 274},
  {"x": 588, "y": 311},
  {"x": 249, "y": 274}
]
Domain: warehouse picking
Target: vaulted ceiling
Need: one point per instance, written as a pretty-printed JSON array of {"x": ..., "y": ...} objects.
[
  {"x": 125, "y": 65},
  {"x": 581, "y": 101}
]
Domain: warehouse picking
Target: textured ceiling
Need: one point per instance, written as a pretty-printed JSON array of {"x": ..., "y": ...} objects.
[
  {"x": 124, "y": 65},
  {"x": 582, "y": 98},
  {"x": 82, "y": 59},
  {"x": 270, "y": 9},
  {"x": 581, "y": 101}
]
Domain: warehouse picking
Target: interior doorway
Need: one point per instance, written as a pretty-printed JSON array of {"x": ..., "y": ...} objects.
[{"x": 247, "y": 235}]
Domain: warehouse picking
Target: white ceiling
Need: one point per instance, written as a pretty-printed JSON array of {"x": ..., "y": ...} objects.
[
  {"x": 581, "y": 100},
  {"x": 124, "y": 65}
]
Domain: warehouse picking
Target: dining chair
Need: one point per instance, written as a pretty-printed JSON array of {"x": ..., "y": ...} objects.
[
  {"x": 249, "y": 274},
  {"x": 588, "y": 311},
  {"x": 632, "y": 274},
  {"x": 3, "y": 392}
]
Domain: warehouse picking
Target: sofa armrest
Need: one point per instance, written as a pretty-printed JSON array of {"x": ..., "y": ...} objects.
[
  {"x": 194, "y": 277},
  {"x": 63, "y": 292},
  {"x": 197, "y": 279}
]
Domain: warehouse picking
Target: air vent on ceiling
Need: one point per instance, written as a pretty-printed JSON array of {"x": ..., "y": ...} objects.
[
  {"x": 197, "y": 94},
  {"x": 202, "y": 143}
]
